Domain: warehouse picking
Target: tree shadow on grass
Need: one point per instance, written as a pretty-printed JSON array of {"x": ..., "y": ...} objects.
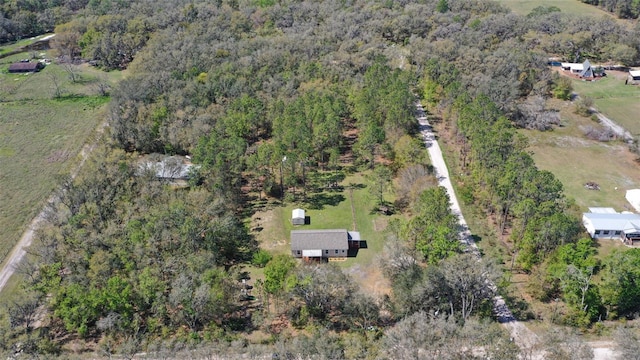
[{"x": 320, "y": 200}]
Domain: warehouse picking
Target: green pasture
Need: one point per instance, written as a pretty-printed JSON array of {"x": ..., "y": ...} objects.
[
  {"x": 17, "y": 45},
  {"x": 39, "y": 141},
  {"x": 52, "y": 80},
  {"x": 619, "y": 102},
  {"x": 575, "y": 160},
  {"x": 41, "y": 137},
  {"x": 523, "y": 7}
]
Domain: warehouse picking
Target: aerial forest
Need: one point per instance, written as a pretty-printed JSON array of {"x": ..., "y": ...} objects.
[{"x": 129, "y": 264}]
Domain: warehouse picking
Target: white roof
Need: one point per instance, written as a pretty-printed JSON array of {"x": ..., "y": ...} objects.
[
  {"x": 602, "y": 210},
  {"x": 611, "y": 221},
  {"x": 297, "y": 214},
  {"x": 631, "y": 227},
  {"x": 573, "y": 66},
  {"x": 312, "y": 253},
  {"x": 633, "y": 197},
  {"x": 172, "y": 167},
  {"x": 634, "y": 73},
  {"x": 354, "y": 235}
]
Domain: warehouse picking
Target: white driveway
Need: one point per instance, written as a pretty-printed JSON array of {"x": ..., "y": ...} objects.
[{"x": 527, "y": 340}]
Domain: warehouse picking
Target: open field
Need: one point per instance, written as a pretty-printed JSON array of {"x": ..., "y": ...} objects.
[
  {"x": 523, "y": 7},
  {"x": 10, "y": 47},
  {"x": 272, "y": 227},
  {"x": 576, "y": 160},
  {"x": 619, "y": 102},
  {"x": 53, "y": 78},
  {"x": 40, "y": 137},
  {"x": 39, "y": 140}
]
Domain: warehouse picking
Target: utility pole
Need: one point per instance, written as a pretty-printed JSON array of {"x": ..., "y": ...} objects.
[{"x": 284, "y": 158}]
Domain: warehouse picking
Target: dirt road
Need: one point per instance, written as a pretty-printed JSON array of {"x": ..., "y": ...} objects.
[
  {"x": 19, "y": 250},
  {"x": 526, "y": 339}
]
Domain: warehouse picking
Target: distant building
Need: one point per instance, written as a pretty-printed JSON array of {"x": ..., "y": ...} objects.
[
  {"x": 584, "y": 70},
  {"x": 633, "y": 197},
  {"x": 323, "y": 244},
  {"x": 297, "y": 217},
  {"x": 606, "y": 223},
  {"x": 25, "y": 67},
  {"x": 168, "y": 168}
]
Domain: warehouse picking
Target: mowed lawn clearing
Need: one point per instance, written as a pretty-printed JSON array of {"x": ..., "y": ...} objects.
[
  {"x": 576, "y": 160},
  {"x": 39, "y": 141},
  {"x": 41, "y": 137},
  {"x": 272, "y": 227},
  {"x": 619, "y": 102},
  {"x": 524, "y": 7}
]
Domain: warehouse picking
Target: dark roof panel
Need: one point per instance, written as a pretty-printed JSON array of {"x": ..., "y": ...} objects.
[
  {"x": 25, "y": 66},
  {"x": 319, "y": 239}
]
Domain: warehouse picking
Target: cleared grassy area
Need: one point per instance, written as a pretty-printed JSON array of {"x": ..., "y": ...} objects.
[
  {"x": 523, "y": 7},
  {"x": 273, "y": 225},
  {"x": 9, "y": 47},
  {"x": 576, "y": 160},
  {"x": 40, "y": 138},
  {"x": 52, "y": 79},
  {"x": 612, "y": 97},
  {"x": 39, "y": 141}
]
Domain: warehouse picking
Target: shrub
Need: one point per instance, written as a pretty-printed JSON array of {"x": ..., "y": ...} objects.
[{"x": 261, "y": 258}]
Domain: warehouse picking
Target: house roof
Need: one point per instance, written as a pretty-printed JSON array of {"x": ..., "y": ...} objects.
[
  {"x": 319, "y": 239},
  {"x": 634, "y": 73},
  {"x": 586, "y": 69},
  {"x": 25, "y": 66},
  {"x": 172, "y": 167},
  {"x": 631, "y": 227},
  {"x": 633, "y": 197},
  {"x": 605, "y": 221},
  {"x": 573, "y": 66},
  {"x": 602, "y": 210},
  {"x": 297, "y": 214}
]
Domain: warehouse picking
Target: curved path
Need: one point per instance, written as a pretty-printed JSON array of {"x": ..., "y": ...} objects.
[
  {"x": 526, "y": 339},
  {"x": 19, "y": 250}
]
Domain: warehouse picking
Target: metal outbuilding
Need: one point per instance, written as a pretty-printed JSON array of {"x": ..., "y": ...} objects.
[{"x": 297, "y": 217}]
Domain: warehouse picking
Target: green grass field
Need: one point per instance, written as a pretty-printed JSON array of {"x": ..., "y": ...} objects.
[
  {"x": 275, "y": 226},
  {"x": 40, "y": 138},
  {"x": 576, "y": 160},
  {"x": 612, "y": 97},
  {"x": 9, "y": 47},
  {"x": 523, "y": 7}
]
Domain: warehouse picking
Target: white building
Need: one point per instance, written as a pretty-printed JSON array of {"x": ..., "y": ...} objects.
[
  {"x": 633, "y": 197},
  {"x": 297, "y": 217},
  {"x": 607, "y": 225}
]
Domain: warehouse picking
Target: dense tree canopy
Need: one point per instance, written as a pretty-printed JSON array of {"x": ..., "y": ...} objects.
[{"x": 267, "y": 95}]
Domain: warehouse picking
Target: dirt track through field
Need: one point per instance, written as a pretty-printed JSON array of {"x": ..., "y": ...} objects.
[{"x": 19, "y": 250}]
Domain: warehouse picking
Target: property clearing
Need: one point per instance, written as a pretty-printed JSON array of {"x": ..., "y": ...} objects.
[
  {"x": 576, "y": 160},
  {"x": 40, "y": 139},
  {"x": 524, "y": 7}
]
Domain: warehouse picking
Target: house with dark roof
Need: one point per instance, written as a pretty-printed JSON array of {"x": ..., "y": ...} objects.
[
  {"x": 323, "y": 244},
  {"x": 25, "y": 67}
]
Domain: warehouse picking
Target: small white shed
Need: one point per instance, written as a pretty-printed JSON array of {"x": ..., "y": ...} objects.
[{"x": 297, "y": 217}]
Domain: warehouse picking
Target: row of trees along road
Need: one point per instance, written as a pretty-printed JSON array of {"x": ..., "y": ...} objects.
[{"x": 129, "y": 262}]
